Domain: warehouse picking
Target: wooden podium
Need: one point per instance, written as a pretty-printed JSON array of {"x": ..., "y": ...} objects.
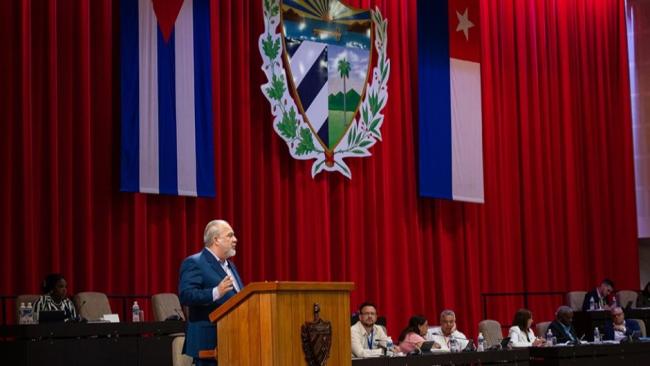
[{"x": 261, "y": 325}]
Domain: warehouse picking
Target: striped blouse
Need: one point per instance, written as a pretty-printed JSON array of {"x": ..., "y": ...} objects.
[{"x": 47, "y": 303}]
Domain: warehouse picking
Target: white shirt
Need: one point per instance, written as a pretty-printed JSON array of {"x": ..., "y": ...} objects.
[
  {"x": 226, "y": 268},
  {"x": 618, "y": 335},
  {"x": 435, "y": 334},
  {"x": 518, "y": 337},
  {"x": 360, "y": 339}
]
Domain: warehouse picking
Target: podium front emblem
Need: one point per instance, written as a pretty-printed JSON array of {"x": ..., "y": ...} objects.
[{"x": 316, "y": 339}]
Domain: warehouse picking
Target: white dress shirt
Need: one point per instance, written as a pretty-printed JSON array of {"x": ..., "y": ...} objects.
[
  {"x": 435, "y": 334},
  {"x": 619, "y": 334},
  {"x": 216, "y": 295}
]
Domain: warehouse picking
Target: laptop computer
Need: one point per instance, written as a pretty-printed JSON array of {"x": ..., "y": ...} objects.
[
  {"x": 426, "y": 346},
  {"x": 54, "y": 316}
]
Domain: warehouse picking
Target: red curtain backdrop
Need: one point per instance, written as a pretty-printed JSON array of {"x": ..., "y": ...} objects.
[{"x": 559, "y": 183}]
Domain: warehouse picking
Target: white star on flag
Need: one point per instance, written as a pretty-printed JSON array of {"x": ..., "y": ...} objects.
[{"x": 464, "y": 24}]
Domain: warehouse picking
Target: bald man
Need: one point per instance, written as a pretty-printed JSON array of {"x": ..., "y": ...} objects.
[{"x": 207, "y": 280}]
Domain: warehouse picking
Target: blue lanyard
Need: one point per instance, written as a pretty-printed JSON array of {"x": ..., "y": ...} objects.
[{"x": 370, "y": 339}]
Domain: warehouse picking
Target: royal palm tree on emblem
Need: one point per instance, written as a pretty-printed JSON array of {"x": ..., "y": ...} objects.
[{"x": 344, "y": 70}]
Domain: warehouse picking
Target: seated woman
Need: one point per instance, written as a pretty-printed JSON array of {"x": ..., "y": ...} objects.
[
  {"x": 54, "y": 297},
  {"x": 521, "y": 334},
  {"x": 412, "y": 336}
]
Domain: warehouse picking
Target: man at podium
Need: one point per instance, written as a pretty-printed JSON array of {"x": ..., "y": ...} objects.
[{"x": 207, "y": 280}]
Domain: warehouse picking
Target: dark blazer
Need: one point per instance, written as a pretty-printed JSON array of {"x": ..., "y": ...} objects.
[
  {"x": 560, "y": 334},
  {"x": 199, "y": 274},
  {"x": 643, "y": 301},
  {"x": 593, "y": 294},
  {"x": 630, "y": 327}
]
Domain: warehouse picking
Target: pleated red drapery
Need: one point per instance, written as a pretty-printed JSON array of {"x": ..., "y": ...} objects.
[{"x": 559, "y": 188}]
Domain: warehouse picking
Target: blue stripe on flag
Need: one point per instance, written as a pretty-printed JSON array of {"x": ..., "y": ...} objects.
[
  {"x": 435, "y": 101},
  {"x": 324, "y": 132},
  {"x": 130, "y": 163},
  {"x": 167, "y": 115},
  {"x": 205, "y": 183},
  {"x": 313, "y": 81}
]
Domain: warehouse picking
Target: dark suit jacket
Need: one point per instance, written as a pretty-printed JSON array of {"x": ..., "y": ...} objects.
[
  {"x": 630, "y": 327},
  {"x": 643, "y": 300},
  {"x": 593, "y": 294},
  {"x": 199, "y": 274},
  {"x": 560, "y": 334}
]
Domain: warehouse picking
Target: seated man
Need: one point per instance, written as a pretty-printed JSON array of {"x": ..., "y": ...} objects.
[
  {"x": 619, "y": 327},
  {"x": 599, "y": 296},
  {"x": 562, "y": 326},
  {"x": 446, "y": 331},
  {"x": 366, "y": 335}
]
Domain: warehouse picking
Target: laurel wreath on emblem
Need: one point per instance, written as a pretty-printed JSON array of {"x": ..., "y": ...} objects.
[{"x": 364, "y": 130}]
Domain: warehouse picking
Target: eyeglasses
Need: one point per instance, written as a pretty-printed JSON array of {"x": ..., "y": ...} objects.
[{"x": 368, "y": 314}]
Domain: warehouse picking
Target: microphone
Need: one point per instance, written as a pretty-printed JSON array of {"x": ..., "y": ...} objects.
[
  {"x": 383, "y": 348},
  {"x": 578, "y": 341},
  {"x": 79, "y": 318},
  {"x": 469, "y": 347},
  {"x": 379, "y": 345},
  {"x": 495, "y": 347}
]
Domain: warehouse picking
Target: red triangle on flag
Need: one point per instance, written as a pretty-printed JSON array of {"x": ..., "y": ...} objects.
[{"x": 166, "y": 13}]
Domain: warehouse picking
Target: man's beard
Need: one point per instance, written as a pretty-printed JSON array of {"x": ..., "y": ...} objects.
[{"x": 230, "y": 253}]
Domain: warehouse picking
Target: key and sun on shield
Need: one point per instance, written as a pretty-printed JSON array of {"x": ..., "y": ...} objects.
[{"x": 317, "y": 58}]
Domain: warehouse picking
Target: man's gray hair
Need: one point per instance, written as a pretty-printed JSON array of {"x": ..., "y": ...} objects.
[
  {"x": 563, "y": 310},
  {"x": 211, "y": 230},
  {"x": 616, "y": 308},
  {"x": 447, "y": 312}
]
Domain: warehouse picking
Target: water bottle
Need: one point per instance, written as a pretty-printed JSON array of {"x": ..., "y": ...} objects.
[
  {"x": 596, "y": 335},
  {"x": 592, "y": 304},
  {"x": 481, "y": 342},
  {"x": 29, "y": 313},
  {"x": 453, "y": 345},
  {"x": 136, "y": 312},
  {"x": 549, "y": 338},
  {"x": 389, "y": 346},
  {"x": 22, "y": 315}
]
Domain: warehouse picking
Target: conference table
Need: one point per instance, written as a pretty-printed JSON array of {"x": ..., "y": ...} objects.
[
  {"x": 70, "y": 344},
  {"x": 593, "y": 354},
  {"x": 632, "y": 354},
  {"x": 506, "y": 357}
]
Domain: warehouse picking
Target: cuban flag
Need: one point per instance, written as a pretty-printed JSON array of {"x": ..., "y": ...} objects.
[
  {"x": 450, "y": 136},
  {"x": 166, "y": 97}
]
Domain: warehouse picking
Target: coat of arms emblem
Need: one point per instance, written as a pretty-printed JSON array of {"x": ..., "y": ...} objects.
[
  {"x": 325, "y": 96},
  {"x": 316, "y": 339}
]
